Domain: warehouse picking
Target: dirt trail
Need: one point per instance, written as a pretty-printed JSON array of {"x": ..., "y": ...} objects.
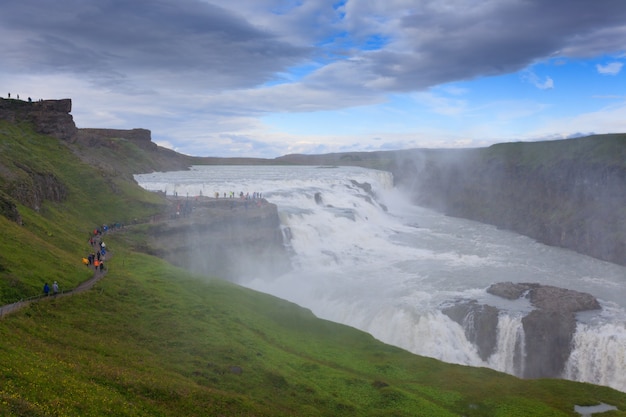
[{"x": 84, "y": 286}]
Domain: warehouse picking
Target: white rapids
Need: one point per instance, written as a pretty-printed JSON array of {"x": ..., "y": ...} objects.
[{"x": 378, "y": 263}]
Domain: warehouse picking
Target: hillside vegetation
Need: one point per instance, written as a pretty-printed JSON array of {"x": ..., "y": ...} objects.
[{"x": 151, "y": 339}]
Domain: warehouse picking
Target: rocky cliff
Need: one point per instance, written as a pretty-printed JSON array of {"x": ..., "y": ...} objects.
[
  {"x": 48, "y": 117},
  {"x": 548, "y": 328},
  {"x": 226, "y": 238},
  {"x": 53, "y": 118},
  {"x": 117, "y": 153},
  {"x": 568, "y": 193}
]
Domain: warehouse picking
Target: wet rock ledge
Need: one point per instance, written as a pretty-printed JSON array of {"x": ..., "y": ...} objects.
[{"x": 548, "y": 328}]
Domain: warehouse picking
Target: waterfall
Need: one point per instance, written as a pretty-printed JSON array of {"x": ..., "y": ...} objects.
[
  {"x": 598, "y": 355},
  {"x": 364, "y": 256}
]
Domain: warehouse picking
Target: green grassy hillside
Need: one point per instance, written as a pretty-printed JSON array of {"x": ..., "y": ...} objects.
[
  {"x": 154, "y": 340},
  {"x": 50, "y": 242}
]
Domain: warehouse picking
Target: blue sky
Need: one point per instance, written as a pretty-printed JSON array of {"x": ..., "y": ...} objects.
[{"x": 264, "y": 78}]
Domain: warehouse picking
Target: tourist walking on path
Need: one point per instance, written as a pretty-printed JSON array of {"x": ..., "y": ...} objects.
[{"x": 99, "y": 271}]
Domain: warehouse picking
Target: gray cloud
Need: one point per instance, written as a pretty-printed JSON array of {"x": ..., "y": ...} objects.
[
  {"x": 206, "y": 71},
  {"x": 142, "y": 41},
  {"x": 436, "y": 42},
  {"x": 146, "y": 45}
]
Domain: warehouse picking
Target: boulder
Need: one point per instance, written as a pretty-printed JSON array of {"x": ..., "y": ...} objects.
[
  {"x": 546, "y": 296},
  {"x": 562, "y": 300}
]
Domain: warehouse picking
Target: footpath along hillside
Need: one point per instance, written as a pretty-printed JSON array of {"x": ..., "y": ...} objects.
[
  {"x": 98, "y": 273},
  {"x": 228, "y": 222}
]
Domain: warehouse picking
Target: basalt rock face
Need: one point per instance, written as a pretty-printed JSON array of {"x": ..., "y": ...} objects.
[
  {"x": 8, "y": 209},
  {"x": 49, "y": 117},
  {"x": 548, "y": 329},
  {"x": 28, "y": 186},
  {"x": 567, "y": 193},
  {"x": 226, "y": 238},
  {"x": 35, "y": 187}
]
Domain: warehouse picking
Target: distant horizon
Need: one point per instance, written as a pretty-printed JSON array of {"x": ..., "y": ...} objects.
[
  {"x": 261, "y": 79},
  {"x": 575, "y": 136}
]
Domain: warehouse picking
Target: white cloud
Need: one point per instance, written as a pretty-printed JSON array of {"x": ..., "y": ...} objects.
[
  {"x": 610, "y": 119},
  {"x": 531, "y": 77},
  {"x": 440, "y": 104},
  {"x": 612, "y": 68}
]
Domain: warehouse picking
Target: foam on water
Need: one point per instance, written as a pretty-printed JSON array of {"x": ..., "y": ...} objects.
[{"x": 388, "y": 272}]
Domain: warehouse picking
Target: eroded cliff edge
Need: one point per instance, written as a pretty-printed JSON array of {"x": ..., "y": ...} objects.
[
  {"x": 228, "y": 238},
  {"x": 567, "y": 193}
]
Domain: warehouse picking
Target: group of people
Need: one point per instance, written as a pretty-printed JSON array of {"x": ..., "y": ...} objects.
[
  {"x": 30, "y": 100},
  {"x": 55, "y": 288},
  {"x": 246, "y": 196},
  {"x": 95, "y": 258}
]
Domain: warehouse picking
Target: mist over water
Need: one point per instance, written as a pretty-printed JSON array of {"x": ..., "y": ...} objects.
[{"x": 375, "y": 262}]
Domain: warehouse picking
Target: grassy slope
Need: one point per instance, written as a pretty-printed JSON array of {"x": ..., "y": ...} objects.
[
  {"x": 52, "y": 240},
  {"x": 607, "y": 150},
  {"x": 151, "y": 339}
]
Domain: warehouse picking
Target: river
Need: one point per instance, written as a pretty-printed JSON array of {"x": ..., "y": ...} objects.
[{"x": 372, "y": 260}]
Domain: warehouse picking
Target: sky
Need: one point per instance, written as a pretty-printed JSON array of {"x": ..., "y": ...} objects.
[{"x": 265, "y": 78}]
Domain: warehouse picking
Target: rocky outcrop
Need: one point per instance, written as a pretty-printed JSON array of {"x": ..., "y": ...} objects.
[
  {"x": 548, "y": 342},
  {"x": 226, "y": 238},
  {"x": 546, "y": 297},
  {"x": 8, "y": 209},
  {"x": 548, "y": 329},
  {"x": 53, "y": 118},
  {"x": 48, "y": 117},
  {"x": 33, "y": 187},
  {"x": 28, "y": 186},
  {"x": 479, "y": 322}
]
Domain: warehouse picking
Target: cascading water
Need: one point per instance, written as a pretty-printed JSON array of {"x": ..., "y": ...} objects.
[{"x": 369, "y": 259}]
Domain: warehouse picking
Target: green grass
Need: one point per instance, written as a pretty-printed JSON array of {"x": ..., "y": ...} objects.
[
  {"x": 51, "y": 242},
  {"x": 607, "y": 150},
  {"x": 151, "y": 339}
]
